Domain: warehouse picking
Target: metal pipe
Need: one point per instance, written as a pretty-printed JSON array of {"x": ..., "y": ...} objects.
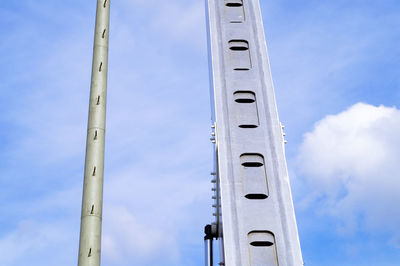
[
  {"x": 208, "y": 251},
  {"x": 210, "y": 234},
  {"x": 92, "y": 199}
]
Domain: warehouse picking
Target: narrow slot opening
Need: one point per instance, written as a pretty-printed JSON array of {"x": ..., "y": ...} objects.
[
  {"x": 252, "y": 164},
  {"x": 239, "y": 48},
  {"x": 98, "y": 100},
  {"x": 244, "y": 100},
  {"x": 105, "y": 3},
  {"x": 104, "y": 34},
  {"x": 100, "y": 67},
  {"x": 94, "y": 171},
  {"x": 90, "y": 252},
  {"x": 252, "y": 160},
  {"x": 234, "y": 4},
  {"x": 261, "y": 243},
  {"x": 95, "y": 135},
  {"x": 248, "y": 126},
  {"x": 244, "y": 97},
  {"x": 256, "y": 196},
  {"x": 238, "y": 45},
  {"x": 92, "y": 210}
]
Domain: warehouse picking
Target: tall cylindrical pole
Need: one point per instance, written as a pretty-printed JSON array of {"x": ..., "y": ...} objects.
[{"x": 92, "y": 200}]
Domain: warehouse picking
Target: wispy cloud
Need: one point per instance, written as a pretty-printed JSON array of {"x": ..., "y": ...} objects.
[
  {"x": 325, "y": 56},
  {"x": 157, "y": 151}
]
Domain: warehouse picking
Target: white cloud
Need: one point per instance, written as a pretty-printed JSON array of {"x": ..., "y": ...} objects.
[{"x": 350, "y": 162}]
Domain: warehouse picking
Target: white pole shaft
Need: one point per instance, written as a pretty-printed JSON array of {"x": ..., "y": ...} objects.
[{"x": 92, "y": 200}]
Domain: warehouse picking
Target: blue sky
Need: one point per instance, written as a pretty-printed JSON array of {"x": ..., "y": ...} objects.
[{"x": 336, "y": 70}]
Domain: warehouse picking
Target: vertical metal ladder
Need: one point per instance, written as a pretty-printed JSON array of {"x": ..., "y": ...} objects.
[{"x": 254, "y": 215}]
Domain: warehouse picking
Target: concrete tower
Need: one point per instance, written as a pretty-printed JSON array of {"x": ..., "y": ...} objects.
[
  {"x": 92, "y": 201},
  {"x": 255, "y": 219}
]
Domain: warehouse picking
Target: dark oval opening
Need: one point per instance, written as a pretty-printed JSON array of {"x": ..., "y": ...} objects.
[
  {"x": 252, "y": 164},
  {"x": 248, "y": 126},
  {"x": 239, "y": 48},
  {"x": 234, "y": 4},
  {"x": 261, "y": 243},
  {"x": 256, "y": 196},
  {"x": 242, "y": 69},
  {"x": 244, "y": 100}
]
